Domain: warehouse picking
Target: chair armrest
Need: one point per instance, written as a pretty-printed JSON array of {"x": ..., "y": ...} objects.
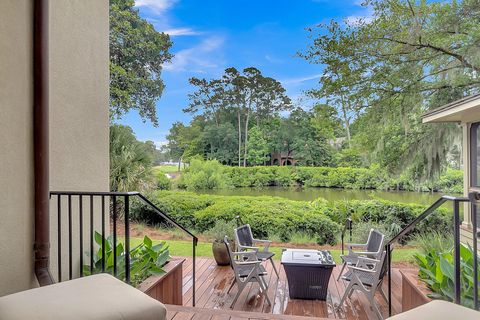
[
  {"x": 262, "y": 241},
  {"x": 246, "y": 263},
  {"x": 255, "y": 249},
  {"x": 362, "y": 269},
  {"x": 358, "y": 245},
  {"x": 266, "y": 243},
  {"x": 371, "y": 260},
  {"x": 246, "y": 254}
]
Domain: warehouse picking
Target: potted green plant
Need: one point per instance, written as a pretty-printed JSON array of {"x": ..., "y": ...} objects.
[{"x": 217, "y": 234}]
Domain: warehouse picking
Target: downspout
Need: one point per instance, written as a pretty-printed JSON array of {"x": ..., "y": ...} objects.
[{"x": 40, "y": 142}]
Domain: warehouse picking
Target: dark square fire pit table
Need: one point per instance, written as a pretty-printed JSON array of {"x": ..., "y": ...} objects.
[{"x": 308, "y": 273}]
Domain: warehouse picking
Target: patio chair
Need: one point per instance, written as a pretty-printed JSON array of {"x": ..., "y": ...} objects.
[
  {"x": 366, "y": 277},
  {"x": 371, "y": 249},
  {"x": 246, "y": 268},
  {"x": 245, "y": 241}
]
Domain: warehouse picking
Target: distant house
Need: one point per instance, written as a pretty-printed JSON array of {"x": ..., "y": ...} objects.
[{"x": 283, "y": 158}]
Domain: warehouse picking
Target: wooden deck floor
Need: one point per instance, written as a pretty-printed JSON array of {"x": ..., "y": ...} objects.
[{"x": 213, "y": 282}]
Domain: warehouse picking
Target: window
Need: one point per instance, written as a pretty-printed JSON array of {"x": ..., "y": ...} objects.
[{"x": 475, "y": 155}]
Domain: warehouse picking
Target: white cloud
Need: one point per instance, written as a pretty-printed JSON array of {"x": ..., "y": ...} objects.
[
  {"x": 300, "y": 79},
  {"x": 157, "y": 6},
  {"x": 200, "y": 58},
  {"x": 181, "y": 32}
]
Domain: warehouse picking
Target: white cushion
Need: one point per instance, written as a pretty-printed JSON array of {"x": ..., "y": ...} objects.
[
  {"x": 438, "y": 310},
  {"x": 99, "y": 296}
]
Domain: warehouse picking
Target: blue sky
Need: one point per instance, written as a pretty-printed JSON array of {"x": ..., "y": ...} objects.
[{"x": 211, "y": 35}]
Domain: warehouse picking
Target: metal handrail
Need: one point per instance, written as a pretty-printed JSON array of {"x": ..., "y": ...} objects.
[
  {"x": 430, "y": 210},
  {"x": 113, "y": 196}
]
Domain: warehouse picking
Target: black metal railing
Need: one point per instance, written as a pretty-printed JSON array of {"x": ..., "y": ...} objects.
[
  {"x": 347, "y": 226},
  {"x": 98, "y": 216},
  {"x": 456, "y": 234}
]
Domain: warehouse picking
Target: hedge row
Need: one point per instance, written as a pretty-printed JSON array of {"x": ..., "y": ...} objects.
[
  {"x": 320, "y": 219},
  {"x": 212, "y": 175}
]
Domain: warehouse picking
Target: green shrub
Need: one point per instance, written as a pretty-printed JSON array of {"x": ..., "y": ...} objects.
[
  {"x": 433, "y": 241},
  {"x": 212, "y": 175},
  {"x": 438, "y": 272},
  {"x": 279, "y": 217},
  {"x": 163, "y": 182},
  {"x": 203, "y": 175}
]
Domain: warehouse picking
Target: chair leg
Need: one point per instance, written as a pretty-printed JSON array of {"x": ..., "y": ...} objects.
[
  {"x": 341, "y": 271},
  {"x": 274, "y": 268},
  {"x": 231, "y": 286},
  {"x": 240, "y": 289},
  {"x": 383, "y": 294},
  {"x": 264, "y": 289},
  {"x": 347, "y": 292},
  {"x": 377, "y": 311}
]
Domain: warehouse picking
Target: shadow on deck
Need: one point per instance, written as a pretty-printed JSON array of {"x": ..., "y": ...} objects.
[{"x": 213, "y": 282}]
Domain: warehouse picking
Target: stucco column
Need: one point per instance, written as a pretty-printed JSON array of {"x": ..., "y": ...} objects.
[{"x": 466, "y": 171}]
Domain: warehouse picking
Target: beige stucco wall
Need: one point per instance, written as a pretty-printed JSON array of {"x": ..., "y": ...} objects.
[
  {"x": 78, "y": 120},
  {"x": 79, "y": 86},
  {"x": 16, "y": 155}
]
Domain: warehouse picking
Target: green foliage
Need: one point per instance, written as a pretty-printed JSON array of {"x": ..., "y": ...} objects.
[
  {"x": 381, "y": 74},
  {"x": 130, "y": 161},
  {"x": 146, "y": 259},
  {"x": 282, "y": 218},
  {"x": 221, "y": 229},
  {"x": 203, "y": 175},
  {"x": 390, "y": 216},
  {"x": 163, "y": 182},
  {"x": 438, "y": 272},
  {"x": 137, "y": 53},
  {"x": 200, "y": 175},
  {"x": 433, "y": 241}
]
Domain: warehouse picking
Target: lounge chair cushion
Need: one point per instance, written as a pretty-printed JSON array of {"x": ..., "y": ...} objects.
[
  {"x": 95, "y": 297},
  {"x": 438, "y": 310}
]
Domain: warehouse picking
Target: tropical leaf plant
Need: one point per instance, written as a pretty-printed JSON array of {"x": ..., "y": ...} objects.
[
  {"x": 146, "y": 259},
  {"x": 438, "y": 272}
]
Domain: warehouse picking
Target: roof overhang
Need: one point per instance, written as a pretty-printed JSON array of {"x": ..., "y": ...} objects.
[{"x": 465, "y": 110}]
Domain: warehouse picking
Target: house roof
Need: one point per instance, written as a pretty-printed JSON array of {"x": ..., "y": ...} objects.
[{"x": 464, "y": 110}]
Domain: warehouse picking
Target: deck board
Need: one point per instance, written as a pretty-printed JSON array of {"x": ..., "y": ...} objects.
[{"x": 212, "y": 300}]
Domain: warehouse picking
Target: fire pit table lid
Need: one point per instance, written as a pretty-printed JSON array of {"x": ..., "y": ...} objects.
[{"x": 306, "y": 257}]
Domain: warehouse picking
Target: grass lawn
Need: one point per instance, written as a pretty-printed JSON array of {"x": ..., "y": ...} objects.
[
  {"x": 165, "y": 169},
  {"x": 184, "y": 248}
]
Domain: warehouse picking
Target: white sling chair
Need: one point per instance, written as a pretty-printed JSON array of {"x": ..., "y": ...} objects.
[
  {"x": 371, "y": 249},
  {"x": 247, "y": 268},
  {"x": 366, "y": 279}
]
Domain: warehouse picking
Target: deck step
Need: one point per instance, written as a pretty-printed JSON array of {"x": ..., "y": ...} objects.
[{"x": 187, "y": 313}]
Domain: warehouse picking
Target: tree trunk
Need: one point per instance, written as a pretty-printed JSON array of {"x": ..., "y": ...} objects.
[
  {"x": 179, "y": 163},
  {"x": 346, "y": 120},
  {"x": 246, "y": 139},
  {"x": 239, "y": 138}
]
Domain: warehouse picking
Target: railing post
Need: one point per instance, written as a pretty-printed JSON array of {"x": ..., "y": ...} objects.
[
  {"x": 194, "y": 253},
  {"x": 127, "y": 239},
  {"x": 59, "y": 237},
  {"x": 473, "y": 206},
  {"x": 114, "y": 215},
  {"x": 80, "y": 223},
  {"x": 456, "y": 259},
  {"x": 350, "y": 226},
  {"x": 389, "y": 266}
]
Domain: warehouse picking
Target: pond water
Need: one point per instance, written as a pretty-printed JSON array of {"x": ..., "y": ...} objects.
[{"x": 331, "y": 194}]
